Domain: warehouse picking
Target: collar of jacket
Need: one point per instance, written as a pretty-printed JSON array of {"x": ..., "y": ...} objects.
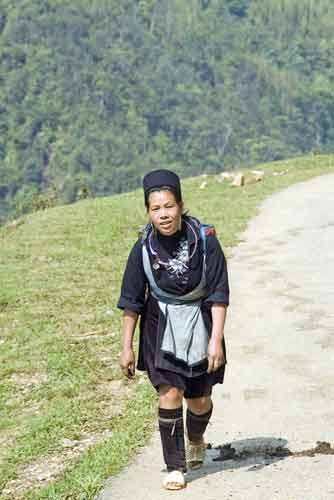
[{"x": 193, "y": 233}]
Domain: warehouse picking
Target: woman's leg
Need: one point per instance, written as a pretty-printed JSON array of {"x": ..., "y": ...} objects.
[
  {"x": 199, "y": 412},
  {"x": 170, "y": 397},
  {"x": 171, "y": 427},
  {"x": 198, "y": 415},
  {"x": 199, "y": 405}
]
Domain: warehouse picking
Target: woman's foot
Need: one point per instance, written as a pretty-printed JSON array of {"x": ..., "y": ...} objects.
[
  {"x": 174, "y": 480},
  {"x": 195, "y": 454}
]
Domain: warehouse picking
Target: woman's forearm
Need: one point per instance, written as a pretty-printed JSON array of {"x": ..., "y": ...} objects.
[
  {"x": 130, "y": 319},
  {"x": 218, "y": 312}
]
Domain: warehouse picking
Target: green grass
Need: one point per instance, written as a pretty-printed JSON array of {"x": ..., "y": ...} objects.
[{"x": 60, "y": 275}]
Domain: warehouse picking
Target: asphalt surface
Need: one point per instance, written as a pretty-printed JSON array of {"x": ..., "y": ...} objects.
[{"x": 279, "y": 386}]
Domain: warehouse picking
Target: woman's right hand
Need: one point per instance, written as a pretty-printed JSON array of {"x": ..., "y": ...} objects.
[{"x": 127, "y": 363}]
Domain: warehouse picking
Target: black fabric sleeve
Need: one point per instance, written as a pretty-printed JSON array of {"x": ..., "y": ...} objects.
[
  {"x": 134, "y": 282},
  {"x": 216, "y": 273}
]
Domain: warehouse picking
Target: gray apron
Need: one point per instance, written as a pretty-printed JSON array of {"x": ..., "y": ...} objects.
[{"x": 185, "y": 336}]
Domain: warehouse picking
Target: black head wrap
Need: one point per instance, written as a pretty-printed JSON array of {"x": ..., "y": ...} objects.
[{"x": 160, "y": 179}]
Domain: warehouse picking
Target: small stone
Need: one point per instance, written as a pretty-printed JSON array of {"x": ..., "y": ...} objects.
[
  {"x": 225, "y": 176},
  {"x": 250, "y": 180},
  {"x": 203, "y": 185},
  {"x": 115, "y": 385},
  {"x": 238, "y": 181},
  {"x": 69, "y": 443},
  {"x": 14, "y": 224},
  {"x": 259, "y": 178}
]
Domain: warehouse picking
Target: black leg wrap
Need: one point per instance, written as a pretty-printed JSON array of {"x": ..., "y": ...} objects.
[
  {"x": 196, "y": 424},
  {"x": 172, "y": 438}
]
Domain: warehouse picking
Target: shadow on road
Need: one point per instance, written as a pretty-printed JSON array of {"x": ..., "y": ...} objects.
[{"x": 254, "y": 454}]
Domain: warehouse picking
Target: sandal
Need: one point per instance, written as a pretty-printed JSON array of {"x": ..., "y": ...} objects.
[
  {"x": 174, "y": 480},
  {"x": 195, "y": 454}
]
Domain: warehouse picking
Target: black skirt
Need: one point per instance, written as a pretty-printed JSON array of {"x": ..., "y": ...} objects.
[{"x": 161, "y": 367}]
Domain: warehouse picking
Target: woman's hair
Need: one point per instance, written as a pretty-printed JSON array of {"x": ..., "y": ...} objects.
[{"x": 163, "y": 188}]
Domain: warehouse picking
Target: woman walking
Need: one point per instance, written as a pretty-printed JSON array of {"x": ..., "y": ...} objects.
[{"x": 176, "y": 280}]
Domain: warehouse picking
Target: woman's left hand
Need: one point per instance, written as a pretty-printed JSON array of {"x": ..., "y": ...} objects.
[{"x": 215, "y": 354}]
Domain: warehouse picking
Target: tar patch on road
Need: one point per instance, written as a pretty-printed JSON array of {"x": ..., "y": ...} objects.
[{"x": 227, "y": 452}]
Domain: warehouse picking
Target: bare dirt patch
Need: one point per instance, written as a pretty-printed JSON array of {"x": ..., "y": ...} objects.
[
  {"x": 113, "y": 396},
  {"x": 6, "y": 442},
  {"x": 44, "y": 470},
  {"x": 27, "y": 381}
]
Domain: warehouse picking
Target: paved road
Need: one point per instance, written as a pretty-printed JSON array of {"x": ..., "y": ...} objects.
[{"x": 279, "y": 387}]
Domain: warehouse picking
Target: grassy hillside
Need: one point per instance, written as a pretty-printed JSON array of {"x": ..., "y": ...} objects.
[{"x": 67, "y": 418}]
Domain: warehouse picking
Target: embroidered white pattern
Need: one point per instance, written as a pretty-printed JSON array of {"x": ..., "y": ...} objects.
[{"x": 179, "y": 264}]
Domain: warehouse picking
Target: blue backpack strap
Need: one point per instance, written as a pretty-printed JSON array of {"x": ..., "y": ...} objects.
[{"x": 205, "y": 231}]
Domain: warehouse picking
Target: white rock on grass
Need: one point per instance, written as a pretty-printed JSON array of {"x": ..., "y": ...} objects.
[
  {"x": 238, "y": 181},
  {"x": 225, "y": 176},
  {"x": 259, "y": 177},
  {"x": 14, "y": 224}
]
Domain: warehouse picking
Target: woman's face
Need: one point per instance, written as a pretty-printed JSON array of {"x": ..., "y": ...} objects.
[{"x": 164, "y": 212}]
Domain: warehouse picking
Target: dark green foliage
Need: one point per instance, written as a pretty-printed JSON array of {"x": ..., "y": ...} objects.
[{"x": 97, "y": 92}]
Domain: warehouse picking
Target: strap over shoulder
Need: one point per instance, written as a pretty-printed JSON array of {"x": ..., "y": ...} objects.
[
  {"x": 144, "y": 231},
  {"x": 209, "y": 228},
  {"x": 206, "y": 230}
]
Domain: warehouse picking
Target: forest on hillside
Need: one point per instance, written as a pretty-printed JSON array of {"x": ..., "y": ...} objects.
[{"x": 95, "y": 93}]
